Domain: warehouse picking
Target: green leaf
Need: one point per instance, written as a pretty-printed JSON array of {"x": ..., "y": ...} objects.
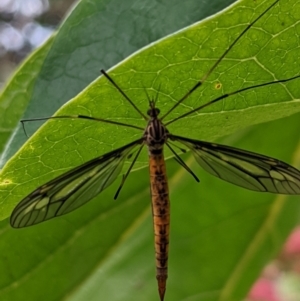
[
  {"x": 96, "y": 34},
  {"x": 16, "y": 95},
  {"x": 221, "y": 235}
]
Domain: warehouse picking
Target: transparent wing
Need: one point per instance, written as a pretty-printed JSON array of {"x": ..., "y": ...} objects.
[
  {"x": 244, "y": 168},
  {"x": 72, "y": 189}
]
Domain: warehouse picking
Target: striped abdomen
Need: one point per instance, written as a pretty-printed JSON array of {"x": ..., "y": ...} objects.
[{"x": 161, "y": 216}]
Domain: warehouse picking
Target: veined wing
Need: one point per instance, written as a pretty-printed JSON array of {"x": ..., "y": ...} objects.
[
  {"x": 243, "y": 168},
  {"x": 72, "y": 189}
]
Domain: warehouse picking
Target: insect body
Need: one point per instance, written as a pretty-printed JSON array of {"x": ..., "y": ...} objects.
[
  {"x": 156, "y": 136},
  {"x": 79, "y": 185}
]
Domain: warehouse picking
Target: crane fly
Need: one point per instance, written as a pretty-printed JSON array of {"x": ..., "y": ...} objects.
[{"x": 81, "y": 184}]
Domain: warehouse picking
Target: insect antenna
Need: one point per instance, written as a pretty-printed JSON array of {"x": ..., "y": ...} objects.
[
  {"x": 199, "y": 83},
  {"x": 157, "y": 93},
  {"x": 182, "y": 163},
  {"x": 227, "y": 95},
  {"x": 152, "y": 102},
  {"x": 148, "y": 97},
  {"x": 128, "y": 171},
  {"x": 123, "y": 93}
]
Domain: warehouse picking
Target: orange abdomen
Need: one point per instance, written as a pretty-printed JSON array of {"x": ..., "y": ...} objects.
[{"x": 161, "y": 217}]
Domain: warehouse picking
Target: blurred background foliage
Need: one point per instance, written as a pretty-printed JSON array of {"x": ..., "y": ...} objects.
[{"x": 25, "y": 25}]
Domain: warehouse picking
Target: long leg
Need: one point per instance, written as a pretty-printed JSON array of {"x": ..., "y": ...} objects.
[{"x": 199, "y": 83}]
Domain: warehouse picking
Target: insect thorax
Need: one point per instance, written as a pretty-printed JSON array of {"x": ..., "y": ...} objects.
[{"x": 155, "y": 135}]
